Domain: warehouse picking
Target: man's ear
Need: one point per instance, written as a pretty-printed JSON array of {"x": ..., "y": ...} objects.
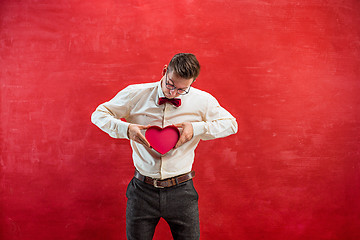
[{"x": 164, "y": 70}]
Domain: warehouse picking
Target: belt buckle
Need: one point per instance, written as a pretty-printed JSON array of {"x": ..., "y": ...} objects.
[{"x": 155, "y": 184}]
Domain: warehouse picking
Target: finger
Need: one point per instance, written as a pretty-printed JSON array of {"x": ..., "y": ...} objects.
[
  {"x": 143, "y": 140},
  {"x": 179, "y": 125},
  {"x": 180, "y": 142},
  {"x": 140, "y": 141}
]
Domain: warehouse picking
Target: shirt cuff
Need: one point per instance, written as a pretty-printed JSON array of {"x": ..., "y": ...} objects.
[
  {"x": 122, "y": 128},
  {"x": 199, "y": 128}
]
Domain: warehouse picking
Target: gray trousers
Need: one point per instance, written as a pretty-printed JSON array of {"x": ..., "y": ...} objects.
[{"x": 177, "y": 205}]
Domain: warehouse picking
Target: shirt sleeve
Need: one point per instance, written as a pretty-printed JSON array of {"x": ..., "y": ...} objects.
[
  {"x": 217, "y": 122},
  {"x": 107, "y": 116}
]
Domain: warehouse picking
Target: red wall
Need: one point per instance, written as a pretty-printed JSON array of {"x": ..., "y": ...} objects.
[{"x": 288, "y": 70}]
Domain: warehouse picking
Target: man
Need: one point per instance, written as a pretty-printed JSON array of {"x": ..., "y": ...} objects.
[{"x": 162, "y": 185}]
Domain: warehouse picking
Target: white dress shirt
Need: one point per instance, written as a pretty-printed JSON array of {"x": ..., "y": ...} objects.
[{"x": 138, "y": 104}]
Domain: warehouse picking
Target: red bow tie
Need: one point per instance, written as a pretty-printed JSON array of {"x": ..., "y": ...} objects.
[{"x": 174, "y": 101}]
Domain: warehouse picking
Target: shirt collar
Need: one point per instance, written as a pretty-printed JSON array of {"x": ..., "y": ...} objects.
[{"x": 160, "y": 92}]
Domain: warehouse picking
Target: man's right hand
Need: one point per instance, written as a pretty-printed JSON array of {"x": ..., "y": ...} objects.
[{"x": 134, "y": 133}]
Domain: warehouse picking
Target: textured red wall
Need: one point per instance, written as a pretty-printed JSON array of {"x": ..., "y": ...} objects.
[{"x": 288, "y": 70}]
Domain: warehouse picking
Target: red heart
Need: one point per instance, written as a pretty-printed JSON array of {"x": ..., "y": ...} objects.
[{"x": 162, "y": 139}]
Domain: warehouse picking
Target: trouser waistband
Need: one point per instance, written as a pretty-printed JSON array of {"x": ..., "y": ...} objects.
[{"x": 169, "y": 182}]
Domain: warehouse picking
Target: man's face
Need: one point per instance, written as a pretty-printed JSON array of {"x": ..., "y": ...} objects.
[{"x": 172, "y": 81}]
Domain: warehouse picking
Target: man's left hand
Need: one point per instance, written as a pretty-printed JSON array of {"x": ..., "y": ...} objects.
[{"x": 187, "y": 133}]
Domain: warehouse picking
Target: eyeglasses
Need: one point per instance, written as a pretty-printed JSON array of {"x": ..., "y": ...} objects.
[{"x": 170, "y": 85}]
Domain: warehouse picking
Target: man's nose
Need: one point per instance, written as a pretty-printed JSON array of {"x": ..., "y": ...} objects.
[{"x": 173, "y": 92}]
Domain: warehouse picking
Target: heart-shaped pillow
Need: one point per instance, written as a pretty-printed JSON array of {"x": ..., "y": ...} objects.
[{"x": 162, "y": 139}]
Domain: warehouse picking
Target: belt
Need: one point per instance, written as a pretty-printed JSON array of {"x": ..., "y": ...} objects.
[{"x": 169, "y": 182}]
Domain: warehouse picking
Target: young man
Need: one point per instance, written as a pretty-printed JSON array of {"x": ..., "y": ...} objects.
[{"x": 162, "y": 185}]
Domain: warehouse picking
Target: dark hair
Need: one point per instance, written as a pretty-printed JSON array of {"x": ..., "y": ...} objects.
[{"x": 185, "y": 65}]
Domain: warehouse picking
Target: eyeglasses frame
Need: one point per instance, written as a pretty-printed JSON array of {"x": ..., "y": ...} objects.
[{"x": 174, "y": 87}]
